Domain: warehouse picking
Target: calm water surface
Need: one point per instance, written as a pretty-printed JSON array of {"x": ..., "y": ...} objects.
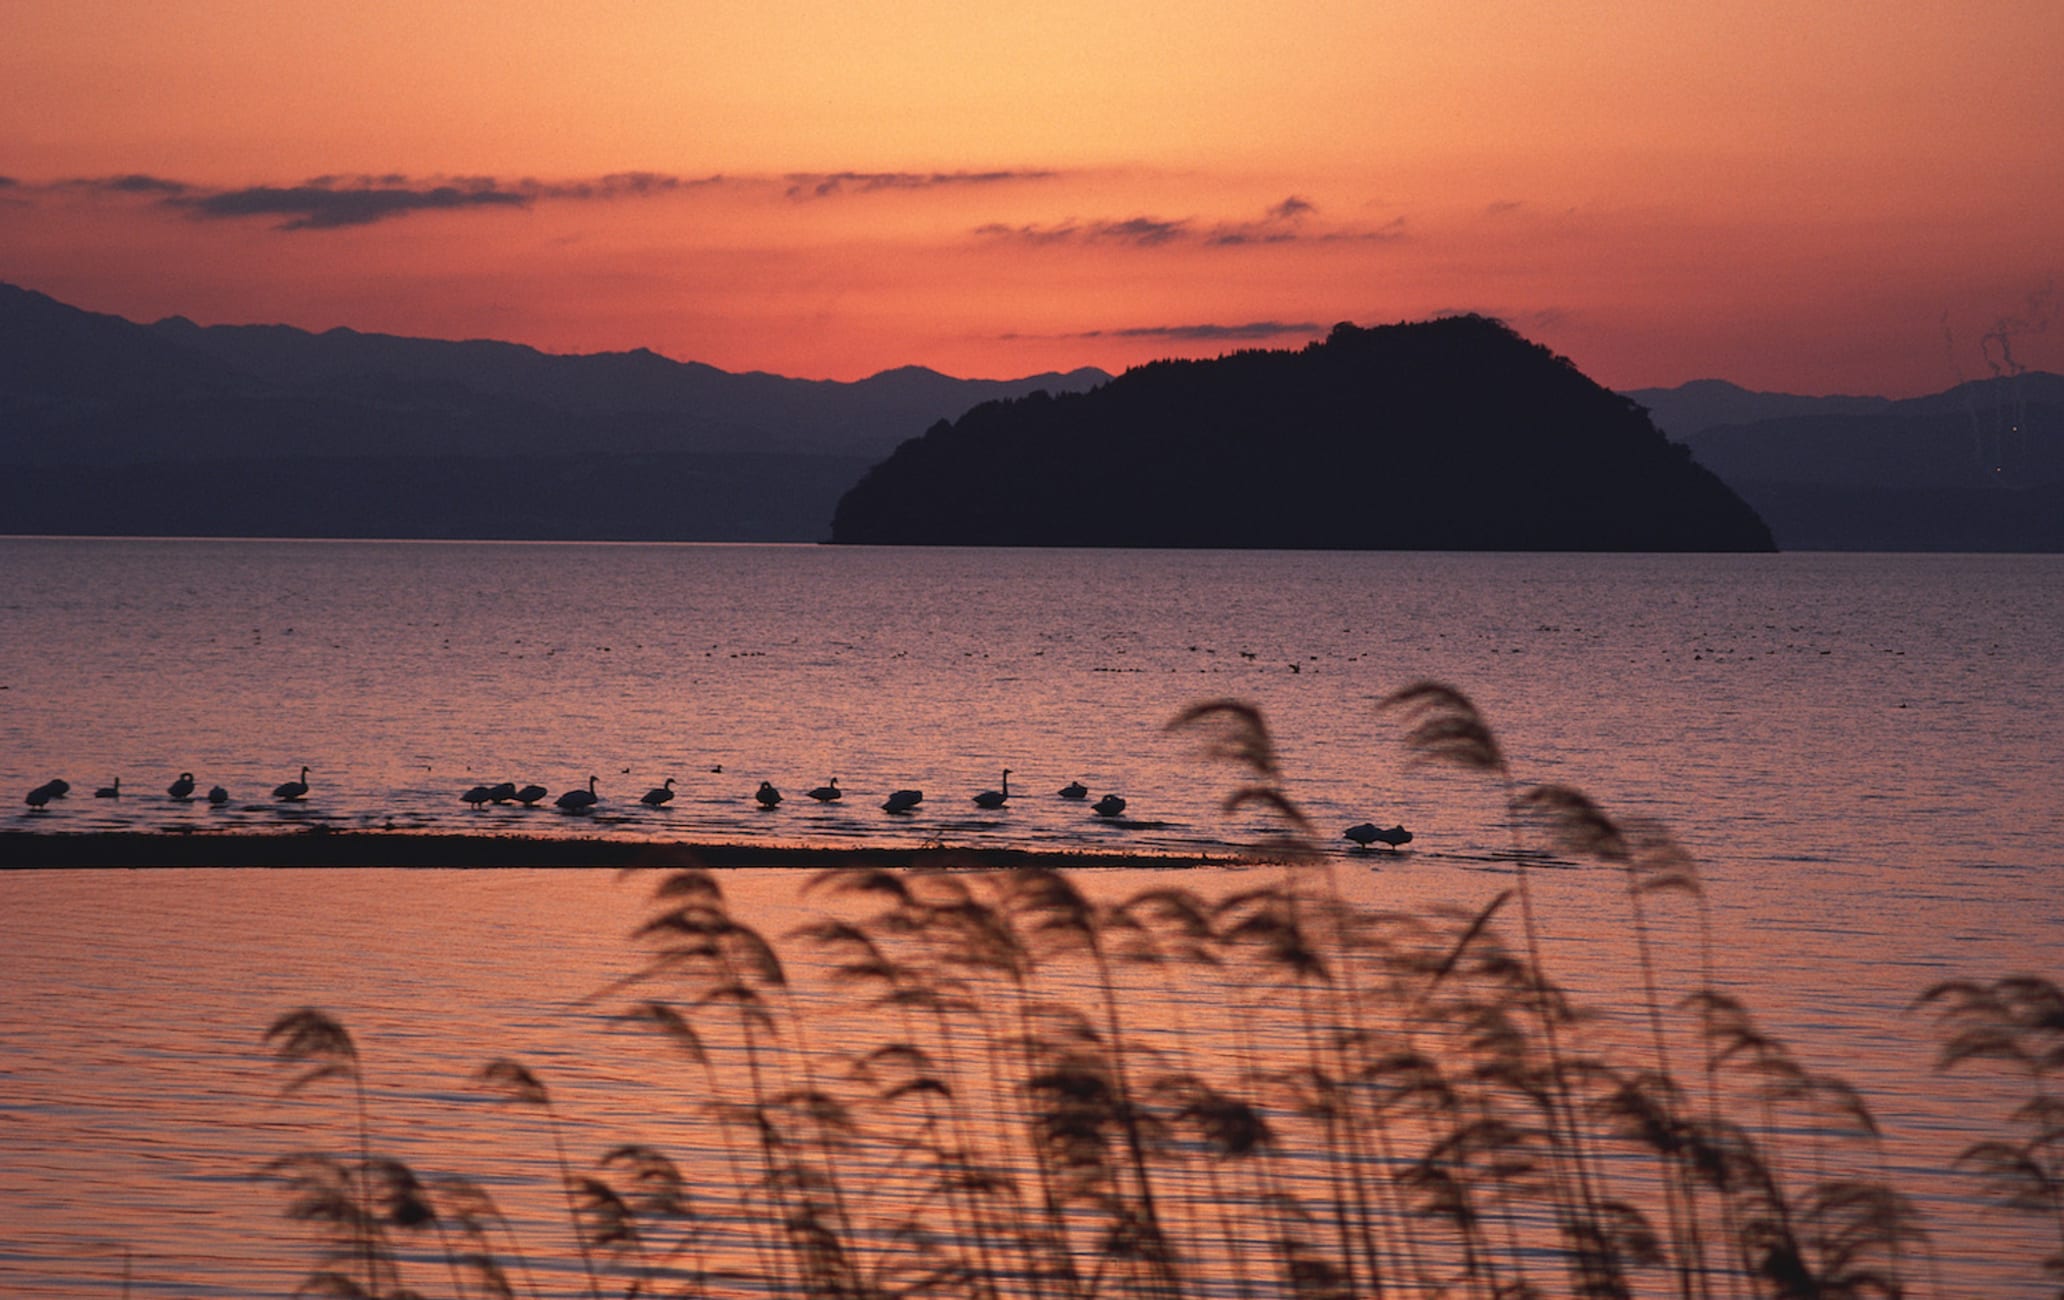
[{"x": 1861, "y": 751}]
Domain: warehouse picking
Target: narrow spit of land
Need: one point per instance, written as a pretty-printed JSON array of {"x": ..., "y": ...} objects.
[{"x": 23, "y": 850}]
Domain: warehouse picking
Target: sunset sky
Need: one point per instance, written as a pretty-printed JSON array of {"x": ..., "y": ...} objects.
[{"x": 1821, "y": 197}]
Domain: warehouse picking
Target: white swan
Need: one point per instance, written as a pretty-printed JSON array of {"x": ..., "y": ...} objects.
[
  {"x": 767, "y": 794},
  {"x": 293, "y": 790},
  {"x": 995, "y": 798},
  {"x": 658, "y": 794},
  {"x": 477, "y": 796},
  {"x": 182, "y": 788},
  {"x": 902, "y": 801},
  {"x": 530, "y": 794},
  {"x": 110, "y": 791},
  {"x": 502, "y": 792},
  {"x": 579, "y": 801},
  {"x": 1109, "y": 806},
  {"x": 828, "y": 793},
  {"x": 1396, "y": 837},
  {"x": 1362, "y": 833},
  {"x": 1074, "y": 790}
]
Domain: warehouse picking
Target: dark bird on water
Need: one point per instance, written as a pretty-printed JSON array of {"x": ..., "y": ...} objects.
[
  {"x": 217, "y": 795},
  {"x": 182, "y": 788},
  {"x": 502, "y": 792},
  {"x": 767, "y": 794},
  {"x": 41, "y": 795},
  {"x": 902, "y": 801},
  {"x": 1109, "y": 806},
  {"x": 57, "y": 787},
  {"x": 1396, "y": 837},
  {"x": 995, "y": 798},
  {"x": 530, "y": 794},
  {"x": 1074, "y": 790},
  {"x": 658, "y": 794},
  {"x": 477, "y": 796},
  {"x": 828, "y": 793},
  {"x": 110, "y": 791},
  {"x": 579, "y": 801},
  {"x": 293, "y": 790}
]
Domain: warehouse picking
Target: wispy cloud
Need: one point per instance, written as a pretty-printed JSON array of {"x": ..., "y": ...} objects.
[
  {"x": 825, "y": 185},
  {"x": 324, "y": 207},
  {"x": 1288, "y": 222},
  {"x": 133, "y": 183},
  {"x": 1198, "y": 333},
  {"x": 1141, "y": 232}
]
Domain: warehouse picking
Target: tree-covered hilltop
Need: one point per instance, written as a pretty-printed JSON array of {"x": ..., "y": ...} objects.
[{"x": 1451, "y": 434}]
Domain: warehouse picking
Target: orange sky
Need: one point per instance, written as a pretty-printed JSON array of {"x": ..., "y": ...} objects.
[{"x": 1792, "y": 196}]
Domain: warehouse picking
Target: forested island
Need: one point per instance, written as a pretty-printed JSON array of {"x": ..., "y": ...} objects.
[{"x": 1449, "y": 434}]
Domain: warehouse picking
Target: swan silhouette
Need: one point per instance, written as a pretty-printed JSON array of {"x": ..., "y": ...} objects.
[
  {"x": 530, "y": 794},
  {"x": 658, "y": 794},
  {"x": 995, "y": 798},
  {"x": 1074, "y": 790},
  {"x": 477, "y": 796},
  {"x": 182, "y": 788},
  {"x": 293, "y": 790},
  {"x": 110, "y": 791},
  {"x": 57, "y": 787},
  {"x": 1109, "y": 806},
  {"x": 579, "y": 801},
  {"x": 902, "y": 801},
  {"x": 217, "y": 795},
  {"x": 1396, "y": 837},
  {"x": 1362, "y": 833},
  {"x": 42, "y": 795},
  {"x": 828, "y": 793},
  {"x": 502, "y": 792},
  {"x": 767, "y": 795}
]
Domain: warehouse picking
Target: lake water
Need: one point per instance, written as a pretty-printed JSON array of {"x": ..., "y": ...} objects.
[{"x": 1861, "y": 751}]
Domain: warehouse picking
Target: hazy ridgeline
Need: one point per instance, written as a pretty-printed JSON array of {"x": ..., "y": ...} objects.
[{"x": 989, "y": 1084}]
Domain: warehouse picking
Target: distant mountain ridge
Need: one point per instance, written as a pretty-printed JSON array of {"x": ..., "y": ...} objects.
[
  {"x": 438, "y": 435},
  {"x": 1979, "y": 467},
  {"x": 1449, "y": 434}
]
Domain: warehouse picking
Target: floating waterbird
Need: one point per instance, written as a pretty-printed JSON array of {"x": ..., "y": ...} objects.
[
  {"x": 767, "y": 794},
  {"x": 1396, "y": 837},
  {"x": 1363, "y": 834},
  {"x": 477, "y": 796},
  {"x": 579, "y": 801},
  {"x": 530, "y": 794},
  {"x": 658, "y": 794},
  {"x": 1074, "y": 790},
  {"x": 58, "y": 787},
  {"x": 110, "y": 791},
  {"x": 40, "y": 796},
  {"x": 829, "y": 793},
  {"x": 902, "y": 801},
  {"x": 1109, "y": 806},
  {"x": 995, "y": 798},
  {"x": 293, "y": 790},
  {"x": 502, "y": 792},
  {"x": 217, "y": 795},
  {"x": 182, "y": 788}
]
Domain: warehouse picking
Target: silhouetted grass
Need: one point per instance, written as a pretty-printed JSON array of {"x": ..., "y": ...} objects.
[{"x": 996, "y": 1085}]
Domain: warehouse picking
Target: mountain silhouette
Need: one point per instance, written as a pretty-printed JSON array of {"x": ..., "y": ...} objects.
[
  {"x": 1450, "y": 434},
  {"x": 1979, "y": 467},
  {"x": 109, "y": 426}
]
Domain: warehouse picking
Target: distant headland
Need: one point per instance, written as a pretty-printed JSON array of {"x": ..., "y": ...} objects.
[{"x": 1449, "y": 434}]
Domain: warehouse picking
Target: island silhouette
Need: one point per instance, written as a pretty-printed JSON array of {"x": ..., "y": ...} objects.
[{"x": 1448, "y": 434}]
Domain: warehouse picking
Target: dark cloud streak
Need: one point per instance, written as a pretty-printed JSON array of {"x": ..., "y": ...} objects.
[
  {"x": 321, "y": 207},
  {"x": 824, "y": 185}
]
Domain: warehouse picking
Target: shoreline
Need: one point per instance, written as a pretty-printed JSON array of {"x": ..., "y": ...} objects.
[{"x": 30, "y": 850}]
